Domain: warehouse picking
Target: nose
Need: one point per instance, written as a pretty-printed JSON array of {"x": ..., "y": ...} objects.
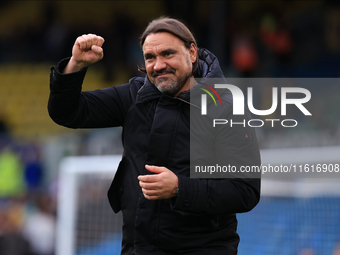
[{"x": 159, "y": 64}]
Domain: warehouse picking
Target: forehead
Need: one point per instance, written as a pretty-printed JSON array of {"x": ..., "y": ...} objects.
[{"x": 161, "y": 40}]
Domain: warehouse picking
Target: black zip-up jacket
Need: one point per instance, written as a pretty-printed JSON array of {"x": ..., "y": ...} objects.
[{"x": 201, "y": 219}]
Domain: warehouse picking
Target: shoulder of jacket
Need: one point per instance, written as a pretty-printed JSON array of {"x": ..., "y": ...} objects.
[
  {"x": 137, "y": 81},
  {"x": 135, "y": 84}
]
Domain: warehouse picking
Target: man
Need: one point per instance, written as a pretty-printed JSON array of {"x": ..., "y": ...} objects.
[{"x": 164, "y": 210}]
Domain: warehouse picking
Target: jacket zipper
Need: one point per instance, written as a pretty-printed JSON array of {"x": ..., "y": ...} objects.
[{"x": 187, "y": 102}]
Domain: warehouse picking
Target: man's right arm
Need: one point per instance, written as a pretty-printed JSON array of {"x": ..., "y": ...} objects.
[{"x": 70, "y": 107}]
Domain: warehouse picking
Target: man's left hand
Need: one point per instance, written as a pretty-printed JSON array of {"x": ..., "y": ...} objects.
[{"x": 161, "y": 185}]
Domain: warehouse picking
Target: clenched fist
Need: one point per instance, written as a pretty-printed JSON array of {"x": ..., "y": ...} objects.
[
  {"x": 161, "y": 185},
  {"x": 86, "y": 50}
]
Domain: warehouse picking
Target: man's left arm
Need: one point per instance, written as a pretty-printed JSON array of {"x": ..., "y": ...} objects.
[
  {"x": 236, "y": 147},
  {"x": 201, "y": 195},
  {"x": 231, "y": 192}
]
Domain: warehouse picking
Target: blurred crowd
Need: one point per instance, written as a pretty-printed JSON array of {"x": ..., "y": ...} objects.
[
  {"x": 27, "y": 206},
  {"x": 27, "y": 225},
  {"x": 251, "y": 39}
]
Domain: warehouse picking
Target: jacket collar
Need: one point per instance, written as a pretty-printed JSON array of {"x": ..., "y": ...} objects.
[
  {"x": 208, "y": 67},
  {"x": 147, "y": 92}
]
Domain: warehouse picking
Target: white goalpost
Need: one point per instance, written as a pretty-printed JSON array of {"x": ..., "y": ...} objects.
[{"x": 71, "y": 171}]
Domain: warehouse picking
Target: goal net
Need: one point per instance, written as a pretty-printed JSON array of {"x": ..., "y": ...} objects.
[
  {"x": 86, "y": 224},
  {"x": 295, "y": 215}
]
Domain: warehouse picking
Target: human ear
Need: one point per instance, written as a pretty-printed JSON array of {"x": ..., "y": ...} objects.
[{"x": 193, "y": 53}]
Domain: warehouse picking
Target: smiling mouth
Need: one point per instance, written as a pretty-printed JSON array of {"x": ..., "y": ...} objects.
[{"x": 163, "y": 74}]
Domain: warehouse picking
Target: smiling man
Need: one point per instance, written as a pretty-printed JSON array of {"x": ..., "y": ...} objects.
[
  {"x": 164, "y": 210},
  {"x": 168, "y": 62}
]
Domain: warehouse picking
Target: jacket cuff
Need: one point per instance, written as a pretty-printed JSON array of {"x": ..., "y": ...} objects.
[
  {"x": 188, "y": 195},
  {"x": 57, "y": 78}
]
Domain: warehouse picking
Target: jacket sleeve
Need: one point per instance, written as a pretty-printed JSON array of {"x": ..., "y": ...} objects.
[
  {"x": 235, "y": 147},
  {"x": 69, "y": 107}
]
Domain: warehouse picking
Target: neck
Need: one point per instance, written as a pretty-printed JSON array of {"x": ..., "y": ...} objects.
[{"x": 191, "y": 82}]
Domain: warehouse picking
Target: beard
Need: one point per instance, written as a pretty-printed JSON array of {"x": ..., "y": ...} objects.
[{"x": 171, "y": 85}]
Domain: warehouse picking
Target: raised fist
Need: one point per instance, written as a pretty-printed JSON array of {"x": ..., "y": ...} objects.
[{"x": 86, "y": 50}]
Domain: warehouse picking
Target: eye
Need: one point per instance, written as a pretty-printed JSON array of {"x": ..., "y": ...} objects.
[
  {"x": 167, "y": 54},
  {"x": 148, "y": 57}
]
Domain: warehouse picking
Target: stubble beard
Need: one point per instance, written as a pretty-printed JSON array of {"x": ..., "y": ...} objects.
[{"x": 173, "y": 84}]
